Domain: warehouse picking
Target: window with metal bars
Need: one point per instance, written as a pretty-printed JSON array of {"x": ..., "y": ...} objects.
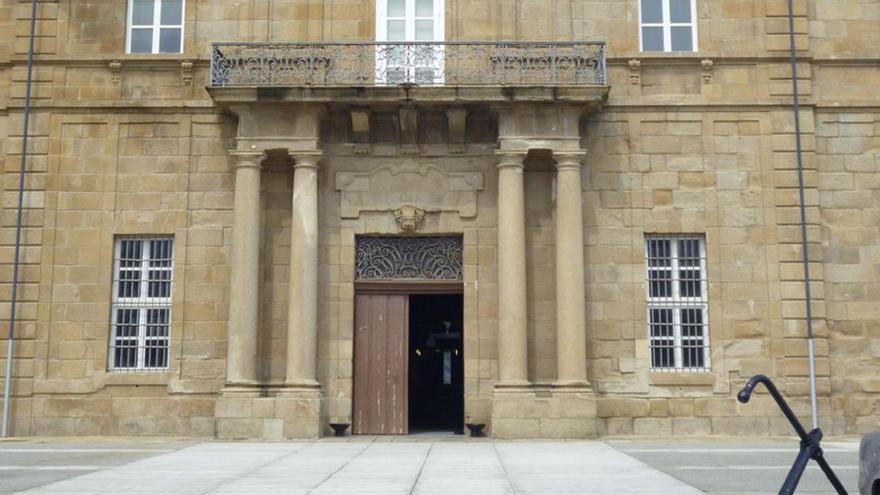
[
  {"x": 678, "y": 324},
  {"x": 140, "y": 319}
]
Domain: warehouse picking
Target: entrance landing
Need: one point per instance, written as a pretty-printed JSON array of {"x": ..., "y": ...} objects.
[{"x": 377, "y": 466}]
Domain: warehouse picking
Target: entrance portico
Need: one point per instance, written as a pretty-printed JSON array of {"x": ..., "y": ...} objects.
[{"x": 396, "y": 161}]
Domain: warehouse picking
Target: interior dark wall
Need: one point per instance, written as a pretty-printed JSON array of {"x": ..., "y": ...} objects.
[{"x": 434, "y": 404}]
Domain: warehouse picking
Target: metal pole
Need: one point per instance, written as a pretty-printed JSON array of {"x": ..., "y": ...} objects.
[
  {"x": 811, "y": 349},
  {"x": 7, "y": 378}
]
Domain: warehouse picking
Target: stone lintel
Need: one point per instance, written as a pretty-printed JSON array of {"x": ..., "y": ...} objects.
[
  {"x": 292, "y": 145},
  {"x": 522, "y": 144}
]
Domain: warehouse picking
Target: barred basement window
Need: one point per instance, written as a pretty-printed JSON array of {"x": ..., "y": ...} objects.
[
  {"x": 140, "y": 319},
  {"x": 678, "y": 323}
]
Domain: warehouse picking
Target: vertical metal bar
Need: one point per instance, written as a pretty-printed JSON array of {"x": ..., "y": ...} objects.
[
  {"x": 7, "y": 380},
  {"x": 803, "y": 211}
]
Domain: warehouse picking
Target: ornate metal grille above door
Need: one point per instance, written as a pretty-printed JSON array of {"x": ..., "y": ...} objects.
[{"x": 408, "y": 258}]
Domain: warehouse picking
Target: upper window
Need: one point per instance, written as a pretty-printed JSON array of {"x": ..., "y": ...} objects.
[
  {"x": 140, "y": 317},
  {"x": 668, "y": 25},
  {"x": 401, "y": 21},
  {"x": 409, "y": 20},
  {"x": 678, "y": 323},
  {"x": 154, "y": 26}
]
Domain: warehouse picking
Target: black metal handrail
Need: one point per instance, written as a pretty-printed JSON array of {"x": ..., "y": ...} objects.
[
  {"x": 421, "y": 63},
  {"x": 810, "y": 447}
]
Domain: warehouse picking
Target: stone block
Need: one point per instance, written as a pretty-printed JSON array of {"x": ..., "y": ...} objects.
[
  {"x": 567, "y": 428},
  {"x": 516, "y": 428},
  {"x": 691, "y": 426},
  {"x": 273, "y": 429},
  {"x": 652, "y": 426},
  {"x": 239, "y": 428}
]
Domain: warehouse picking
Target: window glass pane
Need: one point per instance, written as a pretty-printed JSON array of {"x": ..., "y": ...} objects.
[
  {"x": 424, "y": 30},
  {"x": 141, "y": 12},
  {"x": 396, "y": 31},
  {"x": 652, "y": 39},
  {"x": 660, "y": 283},
  {"x": 662, "y": 341},
  {"x": 160, "y": 253},
  {"x": 682, "y": 39},
  {"x": 652, "y": 11},
  {"x": 680, "y": 10},
  {"x": 396, "y": 8},
  {"x": 424, "y": 75},
  {"x": 690, "y": 284},
  {"x": 692, "y": 354},
  {"x": 424, "y": 8},
  {"x": 169, "y": 40},
  {"x": 142, "y": 40},
  {"x": 659, "y": 252},
  {"x": 395, "y": 76},
  {"x": 172, "y": 12}
]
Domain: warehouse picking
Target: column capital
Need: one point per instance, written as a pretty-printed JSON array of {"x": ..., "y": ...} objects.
[
  {"x": 306, "y": 160},
  {"x": 248, "y": 159},
  {"x": 569, "y": 159},
  {"x": 510, "y": 159}
]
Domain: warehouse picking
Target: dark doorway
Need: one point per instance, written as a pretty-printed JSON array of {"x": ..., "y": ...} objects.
[{"x": 436, "y": 363}]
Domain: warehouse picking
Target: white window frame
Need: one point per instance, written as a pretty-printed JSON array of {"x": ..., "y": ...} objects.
[
  {"x": 143, "y": 303},
  {"x": 667, "y": 26},
  {"x": 410, "y": 18},
  {"x": 156, "y": 26},
  {"x": 676, "y": 302}
]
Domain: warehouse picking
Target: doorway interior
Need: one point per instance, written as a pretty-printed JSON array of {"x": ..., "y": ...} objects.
[{"x": 436, "y": 363}]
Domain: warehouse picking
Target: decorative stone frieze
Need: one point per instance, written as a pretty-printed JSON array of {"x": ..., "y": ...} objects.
[{"x": 420, "y": 185}]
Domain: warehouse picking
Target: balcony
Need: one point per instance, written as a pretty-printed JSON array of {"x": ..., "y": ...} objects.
[{"x": 440, "y": 71}]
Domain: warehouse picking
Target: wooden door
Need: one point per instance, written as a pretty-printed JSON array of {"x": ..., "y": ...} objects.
[{"x": 380, "y": 365}]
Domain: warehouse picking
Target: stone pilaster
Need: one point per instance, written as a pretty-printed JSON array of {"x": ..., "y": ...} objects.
[
  {"x": 512, "y": 337},
  {"x": 244, "y": 290},
  {"x": 571, "y": 352}
]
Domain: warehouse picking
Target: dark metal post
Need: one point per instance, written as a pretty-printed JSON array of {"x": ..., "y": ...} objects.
[
  {"x": 7, "y": 381},
  {"x": 811, "y": 348}
]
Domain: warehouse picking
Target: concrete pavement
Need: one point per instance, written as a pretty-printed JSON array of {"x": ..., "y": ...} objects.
[{"x": 409, "y": 465}]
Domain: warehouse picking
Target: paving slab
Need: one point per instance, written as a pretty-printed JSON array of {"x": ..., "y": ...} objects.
[{"x": 377, "y": 466}]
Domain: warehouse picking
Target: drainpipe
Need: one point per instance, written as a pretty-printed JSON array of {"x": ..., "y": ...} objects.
[
  {"x": 7, "y": 378},
  {"x": 811, "y": 348}
]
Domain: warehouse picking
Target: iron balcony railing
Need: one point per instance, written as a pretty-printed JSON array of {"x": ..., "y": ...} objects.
[{"x": 408, "y": 63}]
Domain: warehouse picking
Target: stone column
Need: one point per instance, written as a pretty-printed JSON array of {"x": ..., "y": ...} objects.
[
  {"x": 244, "y": 290},
  {"x": 302, "y": 313},
  {"x": 571, "y": 353},
  {"x": 512, "y": 343}
]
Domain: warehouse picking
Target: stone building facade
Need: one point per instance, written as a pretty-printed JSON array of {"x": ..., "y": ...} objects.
[{"x": 195, "y": 248}]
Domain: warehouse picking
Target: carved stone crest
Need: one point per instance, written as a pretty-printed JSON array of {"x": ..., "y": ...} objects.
[{"x": 409, "y": 217}]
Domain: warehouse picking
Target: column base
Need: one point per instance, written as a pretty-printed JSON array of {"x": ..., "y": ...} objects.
[
  {"x": 541, "y": 412},
  {"x": 573, "y": 385},
  {"x": 241, "y": 390}
]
